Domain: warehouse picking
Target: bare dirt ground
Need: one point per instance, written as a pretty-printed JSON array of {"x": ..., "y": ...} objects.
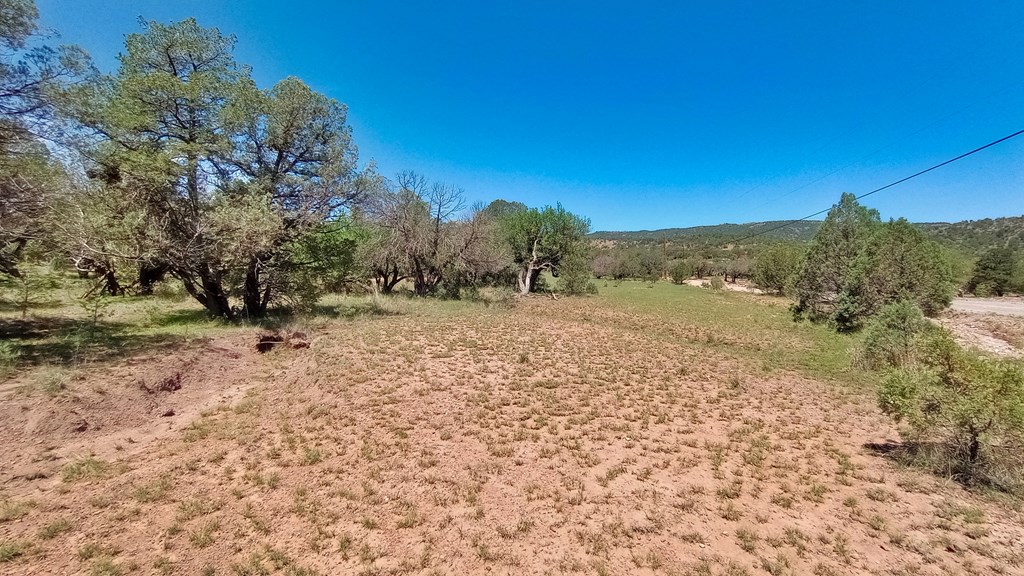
[
  {"x": 993, "y": 325},
  {"x": 1009, "y": 306},
  {"x": 560, "y": 437},
  {"x": 732, "y": 286},
  {"x": 119, "y": 410}
]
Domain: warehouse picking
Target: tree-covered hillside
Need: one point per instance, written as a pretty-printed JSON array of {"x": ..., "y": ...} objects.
[{"x": 968, "y": 236}]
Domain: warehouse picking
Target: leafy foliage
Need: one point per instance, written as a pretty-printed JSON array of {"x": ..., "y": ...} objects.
[
  {"x": 890, "y": 336},
  {"x": 29, "y": 175},
  {"x": 993, "y": 273},
  {"x": 776, "y": 268},
  {"x": 898, "y": 262},
  {"x": 971, "y": 406},
  {"x": 219, "y": 178},
  {"x": 539, "y": 239},
  {"x": 857, "y": 265},
  {"x": 681, "y": 271},
  {"x": 827, "y": 264}
]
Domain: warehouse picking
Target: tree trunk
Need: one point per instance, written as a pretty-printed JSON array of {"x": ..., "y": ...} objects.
[
  {"x": 216, "y": 301},
  {"x": 533, "y": 279},
  {"x": 211, "y": 293},
  {"x": 254, "y": 305},
  {"x": 149, "y": 275},
  {"x": 526, "y": 277},
  {"x": 110, "y": 284}
]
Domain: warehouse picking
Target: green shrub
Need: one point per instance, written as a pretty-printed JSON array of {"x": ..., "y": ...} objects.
[
  {"x": 9, "y": 354},
  {"x": 714, "y": 283},
  {"x": 964, "y": 411},
  {"x": 993, "y": 272},
  {"x": 890, "y": 336},
  {"x": 574, "y": 274},
  {"x": 776, "y": 269},
  {"x": 681, "y": 271}
]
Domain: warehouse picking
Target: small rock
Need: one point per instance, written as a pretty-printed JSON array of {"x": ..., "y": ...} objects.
[
  {"x": 296, "y": 344},
  {"x": 80, "y": 425},
  {"x": 168, "y": 412}
]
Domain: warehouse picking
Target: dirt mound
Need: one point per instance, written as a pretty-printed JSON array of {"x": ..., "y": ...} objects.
[
  {"x": 292, "y": 339},
  {"x": 116, "y": 409}
]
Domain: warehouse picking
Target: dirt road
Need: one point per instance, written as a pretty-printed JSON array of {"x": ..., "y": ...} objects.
[{"x": 1005, "y": 306}]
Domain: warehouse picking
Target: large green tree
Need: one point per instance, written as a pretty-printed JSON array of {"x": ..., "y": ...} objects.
[
  {"x": 30, "y": 71},
  {"x": 898, "y": 262},
  {"x": 219, "y": 176},
  {"x": 826, "y": 266},
  {"x": 293, "y": 156},
  {"x": 539, "y": 239}
]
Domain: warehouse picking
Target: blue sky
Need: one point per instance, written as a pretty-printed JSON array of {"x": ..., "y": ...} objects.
[{"x": 645, "y": 115}]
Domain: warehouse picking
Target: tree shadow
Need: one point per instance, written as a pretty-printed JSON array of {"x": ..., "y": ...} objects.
[
  {"x": 8, "y": 306},
  {"x": 942, "y": 459},
  {"x": 889, "y": 448},
  {"x": 35, "y": 327},
  {"x": 353, "y": 311},
  {"x": 65, "y": 341},
  {"x": 181, "y": 318}
]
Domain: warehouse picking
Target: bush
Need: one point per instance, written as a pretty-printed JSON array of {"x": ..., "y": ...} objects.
[
  {"x": 993, "y": 272},
  {"x": 775, "y": 270},
  {"x": 574, "y": 275},
  {"x": 890, "y": 336},
  {"x": 984, "y": 290},
  {"x": 681, "y": 271},
  {"x": 899, "y": 262},
  {"x": 965, "y": 412},
  {"x": 714, "y": 283}
]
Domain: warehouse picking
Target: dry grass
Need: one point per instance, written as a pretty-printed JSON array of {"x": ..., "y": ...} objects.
[{"x": 662, "y": 430}]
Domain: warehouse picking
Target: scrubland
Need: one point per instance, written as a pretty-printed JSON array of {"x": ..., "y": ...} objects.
[{"x": 645, "y": 430}]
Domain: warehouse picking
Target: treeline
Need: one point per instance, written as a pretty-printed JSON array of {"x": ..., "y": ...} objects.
[
  {"x": 774, "y": 266},
  {"x": 178, "y": 167}
]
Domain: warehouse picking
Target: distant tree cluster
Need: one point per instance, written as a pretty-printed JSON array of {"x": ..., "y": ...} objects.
[
  {"x": 997, "y": 272},
  {"x": 178, "y": 166},
  {"x": 676, "y": 263}
]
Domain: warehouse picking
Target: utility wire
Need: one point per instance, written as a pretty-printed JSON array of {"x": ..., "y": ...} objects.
[
  {"x": 889, "y": 185},
  {"x": 895, "y": 142}
]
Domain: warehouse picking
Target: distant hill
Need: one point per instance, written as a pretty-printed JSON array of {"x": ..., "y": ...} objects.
[
  {"x": 969, "y": 236},
  {"x": 800, "y": 231},
  {"x": 973, "y": 236}
]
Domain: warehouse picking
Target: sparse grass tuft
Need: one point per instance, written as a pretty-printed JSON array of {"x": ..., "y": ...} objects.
[
  {"x": 54, "y": 529},
  {"x": 11, "y": 549},
  {"x": 88, "y": 468}
]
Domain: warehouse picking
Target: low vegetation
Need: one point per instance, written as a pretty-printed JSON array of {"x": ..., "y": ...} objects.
[
  {"x": 963, "y": 412},
  {"x": 226, "y": 347}
]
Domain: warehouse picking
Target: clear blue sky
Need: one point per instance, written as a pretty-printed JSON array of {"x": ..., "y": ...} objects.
[{"x": 647, "y": 114}]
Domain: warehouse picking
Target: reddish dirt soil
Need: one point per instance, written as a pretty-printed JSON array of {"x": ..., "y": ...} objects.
[
  {"x": 556, "y": 438},
  {"x": 991, "y": 333}
]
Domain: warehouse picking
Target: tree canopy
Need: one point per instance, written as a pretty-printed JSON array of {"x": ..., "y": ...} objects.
[{"x": 539, "y": 239}]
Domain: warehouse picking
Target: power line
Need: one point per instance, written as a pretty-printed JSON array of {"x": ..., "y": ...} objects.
[
  {"x": 889, "y": 185},
  {"x": 895, "y": 142},
  {"x": 891, "y": 104}
]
